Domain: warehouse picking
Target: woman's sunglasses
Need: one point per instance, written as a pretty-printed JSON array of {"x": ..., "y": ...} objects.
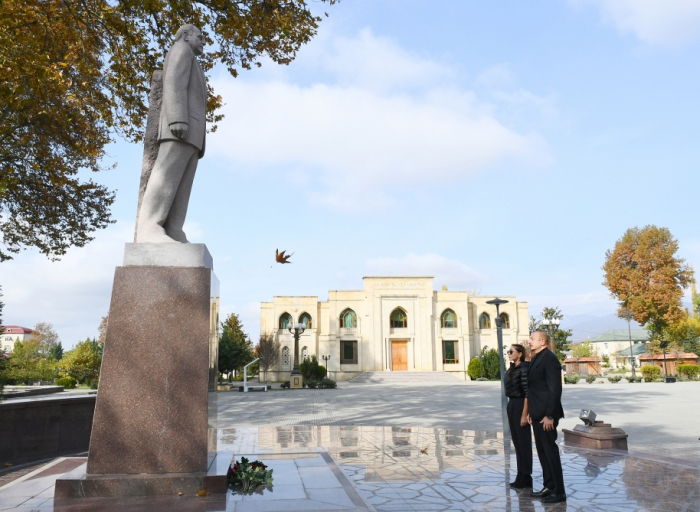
[{"x": 510, "y": 352}]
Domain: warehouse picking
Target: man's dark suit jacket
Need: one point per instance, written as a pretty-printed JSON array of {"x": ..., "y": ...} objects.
[{"x": 544, "y": 387}]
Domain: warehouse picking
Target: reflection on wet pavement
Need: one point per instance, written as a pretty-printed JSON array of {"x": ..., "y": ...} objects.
[{"x": 436, "y": 469}]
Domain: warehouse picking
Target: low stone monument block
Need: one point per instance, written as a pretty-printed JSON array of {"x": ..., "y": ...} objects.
[{"x": 599, "y": 436}]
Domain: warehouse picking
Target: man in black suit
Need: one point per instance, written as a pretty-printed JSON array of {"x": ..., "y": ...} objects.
[{"x": 545, "y": 411}]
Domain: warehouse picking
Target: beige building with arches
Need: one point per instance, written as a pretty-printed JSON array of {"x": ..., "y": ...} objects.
[{"x": 393, "y": 324}]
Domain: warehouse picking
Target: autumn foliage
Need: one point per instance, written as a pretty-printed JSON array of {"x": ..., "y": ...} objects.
[
  {"x": 644, "y": 273},
  {"x": 75, "y": 72}
]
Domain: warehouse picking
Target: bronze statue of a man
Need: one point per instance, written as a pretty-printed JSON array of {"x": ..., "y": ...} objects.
[{"x": 181, "y": 137}]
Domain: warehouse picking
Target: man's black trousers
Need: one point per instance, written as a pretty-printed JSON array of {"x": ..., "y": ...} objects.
[
  {"x": 548, "y": 453},
  {"x": 521, "y": 436}
]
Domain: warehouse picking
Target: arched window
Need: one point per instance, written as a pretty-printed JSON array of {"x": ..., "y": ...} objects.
[
  {"x": 449, "y": 319},
  {"x": 286, "y": 321},
  {"x": 305, "y": 319},
  {"x": 286, "y": 362},
  {"x": 484, "y": 321},
  {"x": 348, "y": 319},
  {"x": 506, "y": 320},
  {"x": 304, "y": 353},
  {"x": 398, "y": 318}
]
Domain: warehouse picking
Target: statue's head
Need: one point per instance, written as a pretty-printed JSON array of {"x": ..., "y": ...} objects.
[{"x": 192, "y": 36}]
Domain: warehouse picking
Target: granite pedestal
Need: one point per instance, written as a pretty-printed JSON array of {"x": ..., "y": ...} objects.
[
  {"x": 600, "y": 436},
  {"x": 150, "y": 431}
]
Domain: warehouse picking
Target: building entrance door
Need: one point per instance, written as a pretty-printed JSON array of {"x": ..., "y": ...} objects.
[{"x": 399, "y": 356}]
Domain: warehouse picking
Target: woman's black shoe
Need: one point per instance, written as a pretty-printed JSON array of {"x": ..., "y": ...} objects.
[
  {"x": 542, "y": 494},
  {"x": 523, "y": 481}
]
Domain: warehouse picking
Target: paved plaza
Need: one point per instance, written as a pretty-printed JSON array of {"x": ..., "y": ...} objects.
[
  {"x": 435, "y": 446},
  {"x": 660, "y": 419}
]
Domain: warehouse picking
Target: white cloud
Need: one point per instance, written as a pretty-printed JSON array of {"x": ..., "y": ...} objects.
[
  {"x": 665, "y": 22},
  {"x": 386, "y": 120},
  {"x": 73, "y": 293},
  {"x": 452, "y": 273}
]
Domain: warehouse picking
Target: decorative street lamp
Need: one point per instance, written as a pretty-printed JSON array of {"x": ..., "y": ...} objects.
[
  {"x": 499, "y": 335},
  {"x": 664, "y": 346},
  {"x": 325, "y": 361},
  {"x": 628, "y": 317},
  {"x": 296, "y": 380},
  {"x": 552, "y": 325}
]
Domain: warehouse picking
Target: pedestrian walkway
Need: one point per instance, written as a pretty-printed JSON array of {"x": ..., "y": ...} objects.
[
  {"x": 408, "y": 378},
  {"x": 383, "y": 469}
]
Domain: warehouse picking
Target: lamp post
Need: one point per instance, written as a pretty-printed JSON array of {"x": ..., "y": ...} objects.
[
  {"x": 325, "y": 361},
  {"x": 628, "y": 317},
  {"x": 552, "y": 325},
  {"x": 664, "y": 345},
  {"x": 499, "y": 335},
  {"x": 296, "y": 380}
]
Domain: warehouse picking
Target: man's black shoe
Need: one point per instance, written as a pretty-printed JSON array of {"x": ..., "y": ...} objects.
[
  {"x": 542, "y": 494},
  {"x": 554, "y": 498}
]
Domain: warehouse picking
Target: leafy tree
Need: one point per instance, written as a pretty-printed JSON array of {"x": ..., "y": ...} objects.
[
  {"x": 27, "y": 363},
  {"x": 102, "y": 329},
  {"x": 561, "y": 336},
  {"x": 235, "y": 347},
  {"x": 268, "y": 350},
  {"x": 690, "y": 344},
  {"x": 646, "y": 276},
  {"x": 45, "y": 336},
  {"x": 56, "y": 352},
  {"x": 492, "y": 365},
  {"x": 76, "y": 72},
  {"x": 2, "y": 305},
  {"x": 585, "y": 349},
  {"x": 83, "y": 362}
]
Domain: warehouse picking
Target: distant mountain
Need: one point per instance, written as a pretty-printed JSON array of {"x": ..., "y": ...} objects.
[{"x": 588, "y": 326}]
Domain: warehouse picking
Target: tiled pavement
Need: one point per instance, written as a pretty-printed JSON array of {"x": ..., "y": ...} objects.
[
  {"x": 657, "y": 416},
  {"x": 395, "y": 469}
]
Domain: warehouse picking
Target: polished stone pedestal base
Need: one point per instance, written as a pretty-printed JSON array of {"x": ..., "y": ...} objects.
[
  {"x": 150, "y": 429},
  {"x": 80, "y": 485},
  {"x": 600, "y": 436}
]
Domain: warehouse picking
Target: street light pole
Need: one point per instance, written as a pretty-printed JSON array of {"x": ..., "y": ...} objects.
[
  {"x": 499, "y": 335},
  {"x": 629, "y": 333},
  {"x": 296, "y": 381},
  {"x": 325, "y": 361}
]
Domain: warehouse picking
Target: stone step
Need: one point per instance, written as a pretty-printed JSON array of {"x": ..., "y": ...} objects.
[{"x": 390, "y": 377}]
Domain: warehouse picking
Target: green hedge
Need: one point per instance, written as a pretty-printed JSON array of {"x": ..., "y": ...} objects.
[
  {"x": 689, "y": 370},
  {"x": 475, "y": 369},
  {"x": 67, "y": 382},
  {"x": 636, "y": 378},
  {"x": 651, "y": 372},
  {"x": 615, "y": 378},
  {"x": 571, "y": 379},
  {"x": 591, "y": 379}
]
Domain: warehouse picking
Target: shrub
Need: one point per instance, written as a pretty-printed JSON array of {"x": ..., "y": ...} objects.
[
  {"x": 311, "y": 370},
  {"x": 327, "y": 384},
  {"x": 571, "y": 379},
  {"x": 311, "y": 384},
  {"x": 492, "y": 365},
  {"x": 285, "y": 385},
  {"x": 615, "y": 378},
  {"x": 475, "y": 369},
  {"x": 66, "y": 382},
  {"x": 591, "y": 379},
  {"x": 651, "y": 372},
  {"x": 689, "y": 370},
  {"x": 635, "y": 378}
]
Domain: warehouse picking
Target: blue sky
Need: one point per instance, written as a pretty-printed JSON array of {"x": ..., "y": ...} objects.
[{"x": 502, "y": 146}]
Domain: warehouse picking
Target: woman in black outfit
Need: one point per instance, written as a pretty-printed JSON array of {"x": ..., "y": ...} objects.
[{"x": 520, "y": 430}]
